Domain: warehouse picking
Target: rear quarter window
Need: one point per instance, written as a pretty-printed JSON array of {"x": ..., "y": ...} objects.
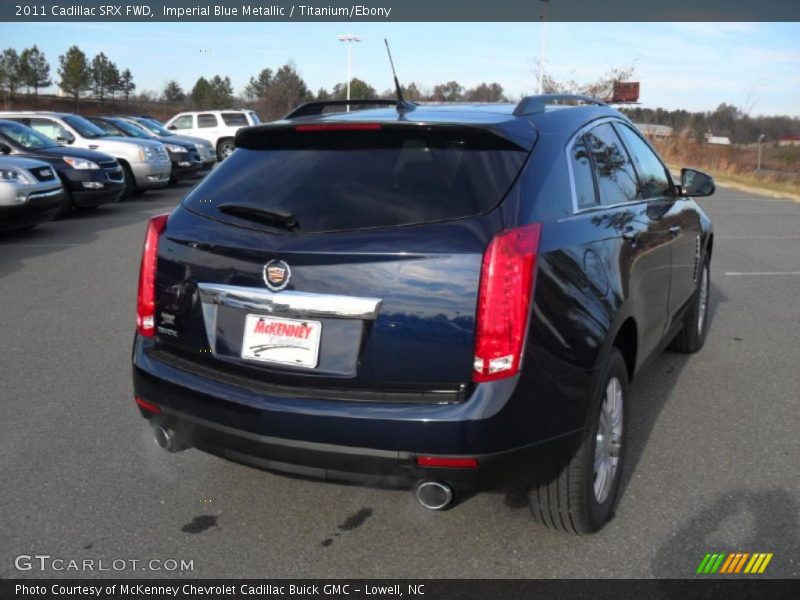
[
  {"x": 344, "y": 180},
  {"x": 582, "y": 177},
  {"x": 234, "y": 119}
]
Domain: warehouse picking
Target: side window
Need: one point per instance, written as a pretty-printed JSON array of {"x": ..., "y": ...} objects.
[
  {"x": 206, "y": 120},
  {"x": 234, "y": 119},
  {"x": 585, "y": 192},
  {"x": 184, "y": 122},
  {"x": 49, "y": 128},
  {"x": 655, "y": 181},
  {"x": 616, "y": 178}
]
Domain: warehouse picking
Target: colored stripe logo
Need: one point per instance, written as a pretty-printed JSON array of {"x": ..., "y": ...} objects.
[{"x": 735, "y": 562}]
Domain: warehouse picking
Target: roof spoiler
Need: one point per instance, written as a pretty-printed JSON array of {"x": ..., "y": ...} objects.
[
  {"x": 532, "y": 105},
  {"x": 310, "y": 109}
]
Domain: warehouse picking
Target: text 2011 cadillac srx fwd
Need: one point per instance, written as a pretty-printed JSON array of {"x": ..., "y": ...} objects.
[{"x": 456, "y": 297}]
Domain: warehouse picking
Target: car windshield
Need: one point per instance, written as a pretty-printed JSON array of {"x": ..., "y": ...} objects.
[
  {"x": 107, "y": 127},
  {"x": 130, "y": 129},
  {"x": 155, "y": 127},
  {"x": 84, "y": 127},
  {"x": 28, "y": 138}
]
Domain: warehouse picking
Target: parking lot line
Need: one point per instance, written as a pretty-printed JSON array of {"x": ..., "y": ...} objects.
[
  {"x": 739, "y": 273},
  {"x": 758, "y": 237}
]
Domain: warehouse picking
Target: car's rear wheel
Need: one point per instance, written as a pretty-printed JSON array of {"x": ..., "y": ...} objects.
[
  {"x": 581, "y": 498},
  {"x": 695, "y": 323},
  {"x": 225, "y": 148}
]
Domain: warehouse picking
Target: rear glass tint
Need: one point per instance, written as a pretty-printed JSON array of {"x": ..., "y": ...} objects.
[
  {"x": 234, "y": 119},
  {"x": 344, "y": 180}
]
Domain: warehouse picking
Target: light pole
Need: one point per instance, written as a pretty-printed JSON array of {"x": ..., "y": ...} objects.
[
  {"x": 542, "y": 47},
  {"x": 349, "y": 38},
  {"x": 760, "y": 141}
]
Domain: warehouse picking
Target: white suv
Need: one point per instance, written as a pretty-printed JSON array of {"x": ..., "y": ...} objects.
[{"x": 217, "y": 126}]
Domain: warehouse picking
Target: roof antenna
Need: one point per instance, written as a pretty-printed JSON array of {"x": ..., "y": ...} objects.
[{"x": 402, "y": 105}]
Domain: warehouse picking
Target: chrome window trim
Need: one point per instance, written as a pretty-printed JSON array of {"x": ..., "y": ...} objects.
[
  {"x": 568, "y": 155},
  {"x": 615, "y": 121},
  {"x": 299, "y": 303}
]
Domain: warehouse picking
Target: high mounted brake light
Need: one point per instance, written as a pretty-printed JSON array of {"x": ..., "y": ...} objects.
[
  {"x": 507, "y": 279},
  {"x": 146, "y": 298},
  {"x": 338, "y": 127}
]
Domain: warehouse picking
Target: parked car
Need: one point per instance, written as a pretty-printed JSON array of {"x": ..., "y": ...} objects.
[
  {"x": 454, "y": 296},
  {"x": 145, "y": 163},
  {"x": 217, "y": 126},
  {"x": 183, "y": 155},
  {"x": 30, "y": 192},
  {"x": 207, "y": 152},
  {"x": 90, "y": 178}
]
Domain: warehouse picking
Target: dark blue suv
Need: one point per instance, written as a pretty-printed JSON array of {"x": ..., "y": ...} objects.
[{"x": 455, "y": 297}]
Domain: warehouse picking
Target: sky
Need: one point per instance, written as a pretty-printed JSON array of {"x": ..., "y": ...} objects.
[{"x": 695, "y": 66}]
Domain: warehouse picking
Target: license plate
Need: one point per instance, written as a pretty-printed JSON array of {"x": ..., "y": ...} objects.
[{"x": 285, "y": 341}]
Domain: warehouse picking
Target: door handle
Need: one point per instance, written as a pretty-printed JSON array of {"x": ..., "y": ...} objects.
[{"x": 675, "y": 230}]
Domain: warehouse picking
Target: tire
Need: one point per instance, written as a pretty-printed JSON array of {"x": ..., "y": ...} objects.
[
  {"x": 578, "y": 500},
  {"x": 130, "y": 183},
  {"x": 224, "y": 149},
  {"x": 66, "y": 205},
  {"x": 692, "y": 335}
]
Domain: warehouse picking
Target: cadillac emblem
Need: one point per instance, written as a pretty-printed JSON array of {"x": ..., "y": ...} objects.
[{"x": 276, "y": 275}]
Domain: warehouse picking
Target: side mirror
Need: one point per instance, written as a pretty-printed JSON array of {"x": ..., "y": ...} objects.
[
  {"x": 171, "y": 127},
  {"x": 65, "y": 138},
  {"x": 5, "y": 148},
  {"x": 696, "y": 183}
]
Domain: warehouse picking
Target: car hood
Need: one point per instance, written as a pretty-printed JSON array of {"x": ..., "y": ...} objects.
[
  {"x": 59, "y": 151},
  {"x": 186, "y": 138},
  {"x": 21, "y": 162}
]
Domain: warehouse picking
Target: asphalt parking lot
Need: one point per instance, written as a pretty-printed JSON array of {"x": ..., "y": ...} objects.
[{"x": 713, "y": 463}]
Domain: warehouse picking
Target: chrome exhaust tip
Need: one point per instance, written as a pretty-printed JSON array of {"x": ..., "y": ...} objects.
[
  {"x": 434, "y": 495},
  {"x": 165, "y": 439}
]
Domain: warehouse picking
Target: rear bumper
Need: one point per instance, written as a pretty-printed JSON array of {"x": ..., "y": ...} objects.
[
  {"x": 332, "y": 462},
  {"x": 356, "y": 440}
]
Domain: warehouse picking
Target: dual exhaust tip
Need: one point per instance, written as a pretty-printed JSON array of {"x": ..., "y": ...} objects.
[{"x": 433, "y": 495}]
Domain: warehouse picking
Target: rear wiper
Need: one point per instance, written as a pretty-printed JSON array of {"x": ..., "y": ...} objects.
[{"x": 275, "y": 217}]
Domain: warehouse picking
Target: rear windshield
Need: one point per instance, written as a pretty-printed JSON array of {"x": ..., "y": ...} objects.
[{"x": 343, "y": 180}]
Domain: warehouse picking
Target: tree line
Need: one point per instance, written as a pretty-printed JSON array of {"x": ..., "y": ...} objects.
[
  {"x": 275, "y": 93},
  {"x": 725, "y": 120},
  {"x": 77, "y": 75}
]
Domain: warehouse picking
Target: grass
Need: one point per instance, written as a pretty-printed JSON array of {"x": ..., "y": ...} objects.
[{"x": 736, "y": 165}]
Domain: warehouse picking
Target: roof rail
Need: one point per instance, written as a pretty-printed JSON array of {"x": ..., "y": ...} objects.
[
  {"x": 532, "y": 105},
  {"x": 315, "y": 108}
]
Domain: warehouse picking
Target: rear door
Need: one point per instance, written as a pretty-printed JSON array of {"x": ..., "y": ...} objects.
[
  {"x": 645, "y": 239},
  {"x": 679, "y": 216},
  {"x": 337, "y": 257}
]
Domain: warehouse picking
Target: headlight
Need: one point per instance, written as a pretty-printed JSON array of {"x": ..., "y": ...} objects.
[
  {"x": 13, "y": 175},
  {"x": 174, "y": 148},
  {"x": 80, "y": 163},
  {"x": 146, "y": 153}
]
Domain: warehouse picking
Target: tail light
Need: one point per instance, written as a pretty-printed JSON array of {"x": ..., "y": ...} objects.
[
  {"x": 507, "y": 278},
  {"x": 146, "y": 298}
]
